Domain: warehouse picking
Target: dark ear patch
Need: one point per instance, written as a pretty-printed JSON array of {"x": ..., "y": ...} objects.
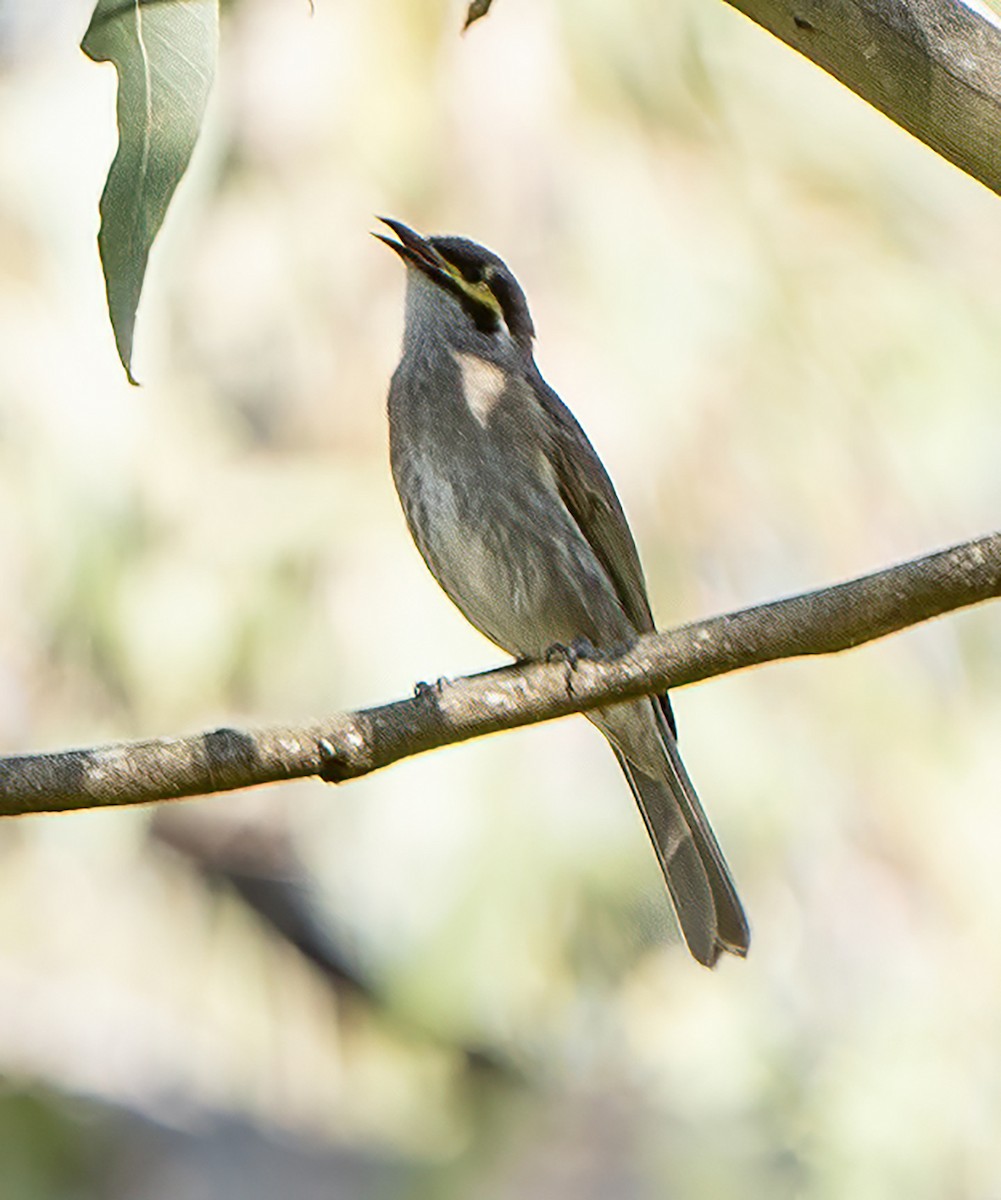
[
  {"x": 483, "y": 316},
  {"x": 513, "y": 304}
]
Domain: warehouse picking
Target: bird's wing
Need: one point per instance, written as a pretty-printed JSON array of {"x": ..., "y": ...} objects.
[{"x": 590, "y": 498}]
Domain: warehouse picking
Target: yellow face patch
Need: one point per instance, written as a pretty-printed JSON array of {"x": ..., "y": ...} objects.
[{"x": 480, "y": 292}]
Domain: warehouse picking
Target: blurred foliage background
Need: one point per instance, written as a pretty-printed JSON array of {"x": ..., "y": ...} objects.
[{"x": 778, "y": 317}]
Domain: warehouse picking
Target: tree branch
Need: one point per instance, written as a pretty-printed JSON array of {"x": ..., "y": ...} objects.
[
  {"x": 932, "y": 66},
  {"x": 352, "y": 744}
]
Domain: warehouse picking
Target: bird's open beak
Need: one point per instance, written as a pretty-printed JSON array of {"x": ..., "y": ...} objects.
[
  {"x": 477, "y": 298},
  {"x": 417, "y": 250}
]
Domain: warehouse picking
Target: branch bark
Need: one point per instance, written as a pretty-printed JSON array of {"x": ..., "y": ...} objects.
[
  {"x": 352, "y": 744},
  {"x": 932, "y": 66}
]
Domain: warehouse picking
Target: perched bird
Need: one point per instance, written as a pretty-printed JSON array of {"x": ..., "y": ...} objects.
[{"x": 518, "y": 521}]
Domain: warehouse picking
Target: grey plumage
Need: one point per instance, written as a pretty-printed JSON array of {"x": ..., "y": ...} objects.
[{"x": 518, "y": 521}]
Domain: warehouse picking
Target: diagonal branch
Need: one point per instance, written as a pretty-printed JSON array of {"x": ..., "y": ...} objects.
[
  {"x": 932, "y": 66},
  {"x": 352, "y": 744}
]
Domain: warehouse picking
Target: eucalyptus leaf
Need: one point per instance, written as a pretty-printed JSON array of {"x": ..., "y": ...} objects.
[
  {"x": 477, "y": 9},
  {"x": 165, "y": 54}
]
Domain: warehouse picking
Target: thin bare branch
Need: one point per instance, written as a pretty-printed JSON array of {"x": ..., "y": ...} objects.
[
  {"x": 352, "y": 744},
  {"x": 932, "y": 66}
]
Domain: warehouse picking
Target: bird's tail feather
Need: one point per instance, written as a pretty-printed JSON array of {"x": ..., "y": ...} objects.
[
  {"x": 709, "y": 911},
  {"x": 731, "y": 922},
  {"x": 680, "y": 862}
]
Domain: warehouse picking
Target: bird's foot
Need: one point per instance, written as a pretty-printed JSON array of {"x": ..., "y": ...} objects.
[
  {"x": 579, "y": 648},
  {"x": 428, "y": 691}
]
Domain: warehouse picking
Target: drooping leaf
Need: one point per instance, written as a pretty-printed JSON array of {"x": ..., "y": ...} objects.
[
  {"x": 477, "y": 9},
  {"x": 165, "y": 53}
]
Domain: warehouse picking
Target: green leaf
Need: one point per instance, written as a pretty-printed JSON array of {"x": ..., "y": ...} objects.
[
  {"x": 477, "y": 9},
  {"x": 165, "y": 53}
]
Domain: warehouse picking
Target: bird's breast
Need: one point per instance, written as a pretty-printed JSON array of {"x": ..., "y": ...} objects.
[{"x": 483, "y": 506}]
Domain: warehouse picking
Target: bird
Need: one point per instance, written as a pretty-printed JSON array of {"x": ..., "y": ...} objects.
[{"x": 519, "y": 522}]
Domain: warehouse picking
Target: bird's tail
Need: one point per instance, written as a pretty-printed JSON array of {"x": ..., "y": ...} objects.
[{"x": 709, "y": 911}]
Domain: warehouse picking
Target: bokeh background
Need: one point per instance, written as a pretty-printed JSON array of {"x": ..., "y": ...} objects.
[{"x": 778, "y": 317}]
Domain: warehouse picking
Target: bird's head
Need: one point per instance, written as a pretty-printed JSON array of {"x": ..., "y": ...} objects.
[{"x": 486, "y": 295}]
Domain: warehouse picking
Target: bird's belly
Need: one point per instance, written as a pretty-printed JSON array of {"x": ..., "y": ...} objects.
[{"x": 512, "y": 560}]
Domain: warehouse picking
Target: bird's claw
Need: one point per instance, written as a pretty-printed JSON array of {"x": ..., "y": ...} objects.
[
  {"x": 427, "y": 691},
  {"x": 572, "y": 654}
]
